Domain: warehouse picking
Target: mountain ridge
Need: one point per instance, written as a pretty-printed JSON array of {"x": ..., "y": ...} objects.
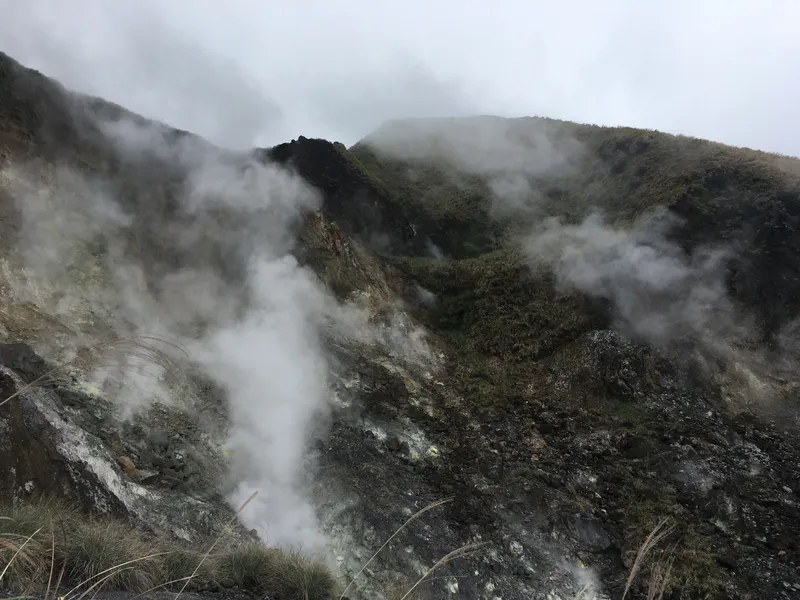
[{"x": 548, "y": 426}]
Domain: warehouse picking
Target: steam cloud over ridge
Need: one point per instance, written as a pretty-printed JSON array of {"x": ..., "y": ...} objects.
[
  {"x": 658, "y": 292},
  {"x": 259, "y": 334}
]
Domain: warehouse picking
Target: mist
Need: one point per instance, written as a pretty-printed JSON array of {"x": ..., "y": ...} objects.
[
  {"x": 250, "y": 320},
  {"x": 262, "y": 73},
  {"x": 658, "y": 293},
  {"x": 241, "y": 75},
  {"x": 509, "y": 154},
  {"x": 147, "y": 66}
]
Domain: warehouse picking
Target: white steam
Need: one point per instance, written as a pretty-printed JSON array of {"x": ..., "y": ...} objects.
[
  {"x": 658, "y": 292},
  {"x": 258, "y": 338},
  {"x": 508, "y": 153},
  {"x": 275, "y": 374},
  {"x": 479, "y": 145},
  {"x": 209, "y": 267}
]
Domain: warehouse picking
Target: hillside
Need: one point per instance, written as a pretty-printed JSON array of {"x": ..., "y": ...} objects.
[{"x": 572, "y": 332}]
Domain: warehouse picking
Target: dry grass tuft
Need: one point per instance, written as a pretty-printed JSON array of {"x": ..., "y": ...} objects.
[
  {"x": 660, "y": 572},
  {"x": 46, "y": 544},
  {"x": 98, "y": 548},
  {"x": 297, "y": 578},
  {"x": 180, "y": 565},
  {"x": 660, "y": 576},
  {"x": 247, "y": 566},
  {"x": 19, "y": 556},
  {"x": 289, "y": 576}
]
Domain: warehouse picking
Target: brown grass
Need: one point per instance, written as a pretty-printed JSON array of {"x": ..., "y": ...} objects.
[
  {"x": 660, "y": 571},
  {"x": 46, "y": 544}
]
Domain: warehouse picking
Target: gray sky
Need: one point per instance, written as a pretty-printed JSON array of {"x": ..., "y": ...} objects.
[{"x": 258, "y": 72}]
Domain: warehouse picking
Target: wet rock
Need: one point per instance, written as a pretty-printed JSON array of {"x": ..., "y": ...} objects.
[
  {"x": 41, "y": 451},
  {"x": 638, "y": 447},
  {"x": 21, "y": 359},
  {"x": 147, "y": 477},
  {"x": 728, "y": 561},
  {"x": 158, "y": 440},
  {"x": 170, "y": 481},
  {"x": 590, "y": 534},
  {"x": 546, "y": 428},
  {"x": 71, "y": 397}
]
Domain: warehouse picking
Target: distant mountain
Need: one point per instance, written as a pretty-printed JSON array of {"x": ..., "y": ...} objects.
[{"x": 573, "y": 332}]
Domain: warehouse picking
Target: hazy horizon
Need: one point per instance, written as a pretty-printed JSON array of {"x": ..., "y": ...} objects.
[{"x": 248, "y": 73}]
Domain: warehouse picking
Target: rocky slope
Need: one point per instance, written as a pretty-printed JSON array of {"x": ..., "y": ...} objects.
[{"x": 567, "y": 381}]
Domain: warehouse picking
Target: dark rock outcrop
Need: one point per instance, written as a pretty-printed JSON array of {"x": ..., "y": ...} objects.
[{"x": 59, "y": 440}]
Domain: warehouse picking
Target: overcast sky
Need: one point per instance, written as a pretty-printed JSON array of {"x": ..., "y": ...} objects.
[{"x": 258, "y": 72}]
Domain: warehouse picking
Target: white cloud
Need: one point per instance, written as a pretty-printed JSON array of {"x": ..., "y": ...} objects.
[{"x": 245, "y": 72}]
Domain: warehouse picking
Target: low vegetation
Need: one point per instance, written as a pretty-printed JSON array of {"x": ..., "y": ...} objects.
[
  {"x": 742, "y": 198},
  {"x": 51, "y": 548}
]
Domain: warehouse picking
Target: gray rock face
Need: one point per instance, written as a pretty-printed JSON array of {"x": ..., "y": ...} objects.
[
  {"x": 544, "y": 487},
  {"x": 61, "y": 441},
  {"x": 552, "y": 489},
  {"x": 400, "y": 440}
]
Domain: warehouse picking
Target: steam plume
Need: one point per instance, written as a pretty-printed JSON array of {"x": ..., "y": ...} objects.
[
  {"x": 658, "y": 292},
  {"x": 250, "y": 318}
]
